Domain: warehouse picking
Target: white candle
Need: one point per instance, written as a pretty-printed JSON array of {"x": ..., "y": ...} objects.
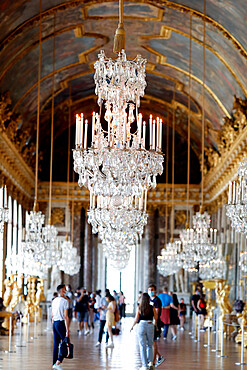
[
  {"x": 145, "y": 202},
  {"x": 91, "y": 199},
  {"x": 1, "y": 197},
  {"x": 160, "y": 136},
  {"x": 77, "y": 130},
  {"x": 150, "y": 131},
  {"x": 109, "y": 132},
  {"x": 124, "y": 128},
  {"x": 242, "y": 190},
  {"x": 153, "y": 135},
  {"x": 81, "y": 131},
  {"x": 233, "y": 194},
  {"x": 144, "y": 134},
  {"x": 211, "y": 235},
  {"x": 230, "y": 193},
  {"x": 139, "y": 122},
  {"x": 93, "y": 126},
  {"x": 215, "y": 236},
  {"x": 5, "y": 197},
  {"x": 157, "y": 133},
  {"x": 85, "y": 136}
]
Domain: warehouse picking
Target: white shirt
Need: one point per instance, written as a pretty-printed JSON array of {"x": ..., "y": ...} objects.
[
  {"x": 97, "y": 303},
  {"x": 59, "y": 304}
]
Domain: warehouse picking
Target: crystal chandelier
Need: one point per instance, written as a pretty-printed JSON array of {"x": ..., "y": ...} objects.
[
  {"x": 34, "y": 242},
  {"x": 4, "y": 212},
  {"x": 168, "y": 262},
  {"x": 118, "y": 163},
  {"x": 199, "y": 242},
  {"x": 243, "y": 262},
  {"x": 236, "y": 209},
  {"x": 70, "y": 262}
]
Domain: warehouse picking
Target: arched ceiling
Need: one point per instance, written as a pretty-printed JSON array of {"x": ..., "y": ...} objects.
[{"x": 158, "y": 30}]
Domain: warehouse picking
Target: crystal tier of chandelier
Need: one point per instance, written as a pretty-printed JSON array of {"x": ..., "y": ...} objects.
[
  {"x": 4, "y": 212},
  {"x": 214, "y": 269},
  {"x": 236, "y": 209},
  {"x": 118, "y": 163}
]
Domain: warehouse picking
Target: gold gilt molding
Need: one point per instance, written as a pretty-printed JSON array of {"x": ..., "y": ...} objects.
[
  {"x": 158, "y": 3},
  {"x": 165, "y": 33},
  {"x": 221, "y": 165}
]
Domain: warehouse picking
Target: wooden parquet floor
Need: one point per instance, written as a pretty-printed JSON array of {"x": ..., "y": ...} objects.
[{"x": 183, "y": 354}]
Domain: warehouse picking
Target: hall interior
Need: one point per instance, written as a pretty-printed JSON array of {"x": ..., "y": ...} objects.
[{"x": 123, "y": 163}]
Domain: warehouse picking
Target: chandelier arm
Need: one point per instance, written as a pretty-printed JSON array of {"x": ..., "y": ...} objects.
[{"x": 38, "y": 114}]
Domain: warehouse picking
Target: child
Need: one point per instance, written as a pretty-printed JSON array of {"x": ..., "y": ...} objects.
[{"x": 182, "y": 313}]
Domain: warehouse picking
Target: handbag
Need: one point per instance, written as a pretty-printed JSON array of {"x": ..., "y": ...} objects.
[
  {"x": 66, "y": 348},
  {"x": 117, "y": 316}
]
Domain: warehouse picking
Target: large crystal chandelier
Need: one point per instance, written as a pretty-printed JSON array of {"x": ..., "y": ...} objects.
[
  {"x": 168, "y": 262},
  {"x": 4, "y": 212},
  {"x": 236, "y": 209},
  {"x": 118, "y": 163},
  {"x": 34, "y": 242}
]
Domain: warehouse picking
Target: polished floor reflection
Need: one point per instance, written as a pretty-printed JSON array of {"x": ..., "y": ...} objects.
[{"x": 184, "y": 353}]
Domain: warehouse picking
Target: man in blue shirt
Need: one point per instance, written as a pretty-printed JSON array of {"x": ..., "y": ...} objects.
[{"x": 166, "y": 300}]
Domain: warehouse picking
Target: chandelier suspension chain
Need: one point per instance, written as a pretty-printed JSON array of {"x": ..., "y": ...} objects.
[
  {"x": 173, "y": 160},
  {"x": 52, "y": 119},
  {"x": 68, "y": 162},
  {"x": 38, "y": 113},
  {"x": 72, "y": 214},
  {"x": 189, "y": 117},
  {"x": 119, "y": 39},
  {"x": 203, "y": 105},
  {"x": 167, "y": 167}
]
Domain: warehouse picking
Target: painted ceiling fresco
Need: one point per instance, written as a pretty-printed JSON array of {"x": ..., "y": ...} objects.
[{"x": 158, "y": 30}]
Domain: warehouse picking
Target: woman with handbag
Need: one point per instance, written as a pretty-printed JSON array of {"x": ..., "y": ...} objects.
[{"x": 110, "y": 318}]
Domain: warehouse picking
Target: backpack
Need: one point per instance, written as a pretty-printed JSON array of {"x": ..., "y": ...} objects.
[{"x": 65, "y": 348}]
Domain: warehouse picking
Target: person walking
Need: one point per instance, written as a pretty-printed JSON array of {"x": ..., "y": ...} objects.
[
  {"x": 202, "y": 311},
  {"x": 97, "y": 305},
  {"x": 110, "y": 318},
  {"x": 122, "y": 305},
  {"x": 166, "y": 301},
  {"x": 156, "y": 303},
  {"x": 70, "y": 295},
  {"x": 145, "y": 315},
  {"x": 182, "y": 313},
  {"x": 60, "y": 318},
  {"x": 83, "y": 307},
  {"x": 174, "y": 319},
  {"x": 102, "y": 310}
]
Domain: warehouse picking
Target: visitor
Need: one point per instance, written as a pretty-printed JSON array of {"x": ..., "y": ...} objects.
[
  {"x": 91, "y": 304},
  {"x": 194, "y": 300},
  {"x": 70, "y": 295},
  {"x": 76, "y": 305},
  {"x": 166, "y": 301},
  {"x": 145, "y": 315},
  {"x": 122, "y": 305},
  {"x": 60, "y": 318},
  {"x": 116, "y": 297},
  {"x": 97, "y": 305},
  {"x": 201, "y": 310},
  {"x": 182, "y": 313},
  {"x": 110, "y": 318},
  {"x": 174, "y": 319},
  {"x": 156, "y": 303},
  {"x": 82, "y": 309},
  {"x": 102, "y": 310}
]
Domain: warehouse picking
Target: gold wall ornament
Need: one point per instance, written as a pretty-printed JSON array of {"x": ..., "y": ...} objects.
[
  {"x": 222, "y": 291},
  {"x": 180, "y": 218},
  {"x": 58, "y": 217}
]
